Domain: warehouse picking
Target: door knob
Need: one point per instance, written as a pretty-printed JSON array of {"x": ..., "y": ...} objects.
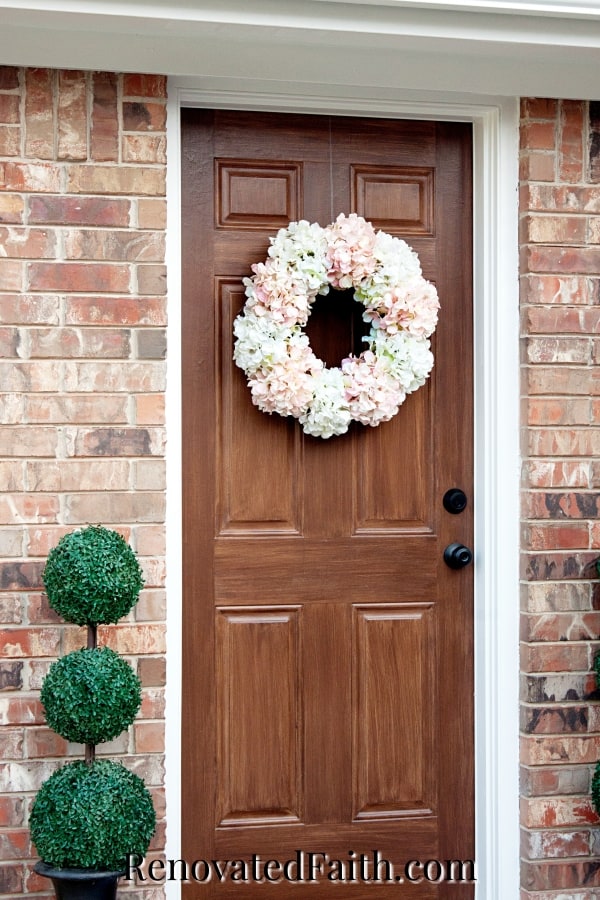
[{"x": 457, "y": 556}]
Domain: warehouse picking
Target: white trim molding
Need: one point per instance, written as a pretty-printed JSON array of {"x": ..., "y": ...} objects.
[
  {"x": 495, "y": 131},
  {"x": 497, "y": 47}
]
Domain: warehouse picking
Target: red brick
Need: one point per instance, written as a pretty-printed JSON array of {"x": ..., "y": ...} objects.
[
  {"x": 27, "y": 243},
  {"x": 582, "y": 260},
  {"x": 553, "y": 380},
  {"x": 42, "y": 743},
  {"x": 20, "y": 642},
  {"x": 98, "y": 179},
  {"x": 10, "y": 107},
  {"x": 550, "y": 320},
  {"x": 11, "y": 275},
  {"x": 9, "y": 78},
  {"x": 558, "y": 875},
  {"x": 562, "y": 627},
  {"x": 104, "y": 126},
  {"x": 149, "y": 737},
  {"x": 552, "y": 289},
  {"x": 39, "y": 611},
  {"x": 559, "y": 657},
  {"x": 79, "y": 211},
  {"x": 150, "y": 409},
  {"x": 144, "y": 148},
  {"x": 152, "y": 213},
  {"x": 136, "y": 639},
  {"x": 538, "y": 108},
  {"x": 61, "y": 276},
  {"x": 556, "y": 537},
  {"x": 558, "y": 411},
  {"x": 131, "y": 377},
  {"x": 115, "y": 507},
  {"x": 26, "y": 440},
  {"x": 144, "y": 86},
  {"x": 25, "y": 508},
  {"x": 561, "y": 749},
  {"x": 100, "y": 343},
  {"x": 11, "y": 209},
  {"x": 152, "y": 279},
  {"x": 539, "y": 781},
  {"x": 72, "y": 115},
  {"x": 538, "y": 135},
  {"x": 22, "y": 711},
  {"x": 151, "y": 671},
  {"x": 537, "y": 166},
  {"x": 29, "y": 309},
  {"x": 81, "y": 408},
  {"x": 560, "y": 198},
  {"x": 554, "y": 720},
  {"x": 11, "y": 811},
  {"x": 39, "y": 114},
  {"x": 10, "y": 140},
  {"x": 31, "y": 177},
  {"x": 556, "y": 844},
  {"x": 571, "y": 564},
  {"x": 151, "y": 607},
  {"x": 11, "y": 878},
  {"x": 115, "y": 311},
  {"x": 30, "y": 376},
  {"x": 115, "y": 442},
  {"x": 77, "y": 475},
  {"x": 571, "y": 350},
  {"x": 554, "y": 229},
  {"x": 139, "y": 116},
  {"x": 565, "y": 442},
  {"x": 115, "y": 245},
  {"x": 149, "y": 475}
]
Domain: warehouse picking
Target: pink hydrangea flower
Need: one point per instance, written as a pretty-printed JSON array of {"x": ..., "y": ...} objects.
[{"x": 350, "y": 242}]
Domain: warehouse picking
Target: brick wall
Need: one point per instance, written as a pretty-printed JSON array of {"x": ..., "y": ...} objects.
[
  {"x": 560, "y": 294},
  {"x": 82, "y": 375}
]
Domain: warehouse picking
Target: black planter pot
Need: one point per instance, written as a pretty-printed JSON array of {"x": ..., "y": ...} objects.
[{"x": 80, "y": 884}]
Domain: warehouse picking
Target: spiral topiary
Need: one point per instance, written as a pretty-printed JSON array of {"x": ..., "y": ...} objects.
[
  {"x": 90, "y": 695},
  {"x": 92, "y": 816},
  {"x": 92, "y": 576}
]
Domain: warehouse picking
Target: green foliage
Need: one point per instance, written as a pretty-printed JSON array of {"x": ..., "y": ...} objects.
[
  {"x": 92, "y": 816},
  {"x": 92, "y": 576},
  {"x": 596, "y": 788},
  {"x": 91, "y": 695}
]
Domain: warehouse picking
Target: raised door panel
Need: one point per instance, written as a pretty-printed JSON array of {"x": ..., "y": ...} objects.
[
  {"x": 395, "y": 706},
  {"x": 260, "y": 473},
  {"x": 258, "y": 690}
]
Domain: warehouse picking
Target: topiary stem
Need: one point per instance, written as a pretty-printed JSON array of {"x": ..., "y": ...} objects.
[{"x": 92, "y": 643}]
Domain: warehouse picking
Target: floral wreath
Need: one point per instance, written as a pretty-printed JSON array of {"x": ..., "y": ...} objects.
[{"x": 283, "y": 373}]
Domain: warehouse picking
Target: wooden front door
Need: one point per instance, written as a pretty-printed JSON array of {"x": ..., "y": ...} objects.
[{"x": 327, "y": 649}]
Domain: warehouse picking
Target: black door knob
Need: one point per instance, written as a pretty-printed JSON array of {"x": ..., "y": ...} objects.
[
  {"x": 454, "y": 501},
  {"x": 457, "y": 556}
]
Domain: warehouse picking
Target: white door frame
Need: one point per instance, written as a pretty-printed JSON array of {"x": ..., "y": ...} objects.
[{"x": 495, "y": 179}]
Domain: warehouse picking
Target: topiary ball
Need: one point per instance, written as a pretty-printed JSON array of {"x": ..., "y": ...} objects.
[
  {"x": 92, "y": 576},
  {"x": 92, "y": 816},
  {"x": 91, "y": 695}
]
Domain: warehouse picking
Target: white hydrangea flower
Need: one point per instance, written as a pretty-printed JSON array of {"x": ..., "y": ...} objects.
[{"x": 328, "y": 413}]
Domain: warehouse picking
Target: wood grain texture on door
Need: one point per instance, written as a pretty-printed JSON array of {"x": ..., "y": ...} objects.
[{"x": 327, "y": 649}]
